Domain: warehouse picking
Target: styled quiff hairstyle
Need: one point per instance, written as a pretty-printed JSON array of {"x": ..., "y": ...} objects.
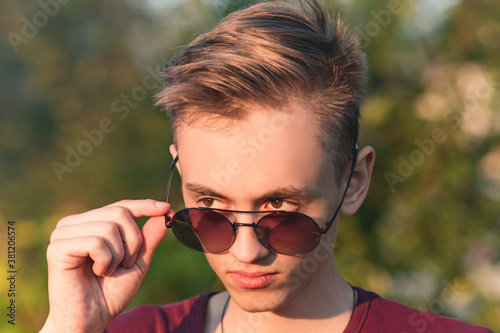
[{"x": 269, "y": 55}]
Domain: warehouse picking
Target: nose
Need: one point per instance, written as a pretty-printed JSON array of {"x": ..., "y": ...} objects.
[{"x": 247, "y": 247}]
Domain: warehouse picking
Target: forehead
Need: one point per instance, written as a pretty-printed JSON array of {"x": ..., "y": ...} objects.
[{"x": 264, "y": 151}]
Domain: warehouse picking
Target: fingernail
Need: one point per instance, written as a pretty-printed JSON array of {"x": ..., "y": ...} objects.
[{"x": 161, "y": 204}]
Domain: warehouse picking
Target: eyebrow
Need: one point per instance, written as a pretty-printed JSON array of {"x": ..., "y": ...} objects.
[
  {"x": 305, "y": 194},
  {"x": 203, "y": 190}
]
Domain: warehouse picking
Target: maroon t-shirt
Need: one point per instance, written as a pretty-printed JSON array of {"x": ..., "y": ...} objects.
[{"x": 372, "y": 314}]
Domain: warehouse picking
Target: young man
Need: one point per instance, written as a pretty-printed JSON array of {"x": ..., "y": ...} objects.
[{"x": 265, "y": 112}]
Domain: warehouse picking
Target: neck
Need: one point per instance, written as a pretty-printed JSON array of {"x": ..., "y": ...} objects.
[{"x": 324, "y": 303}]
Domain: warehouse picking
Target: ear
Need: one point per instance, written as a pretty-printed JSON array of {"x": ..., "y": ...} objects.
[
  {"x": 360, "y": 181},
  {"x": 174, "y": 153}
]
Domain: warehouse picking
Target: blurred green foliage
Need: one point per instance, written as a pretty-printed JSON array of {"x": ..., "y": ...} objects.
[{"x": 428, "y": 233}]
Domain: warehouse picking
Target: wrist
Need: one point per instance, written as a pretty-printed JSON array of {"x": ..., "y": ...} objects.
[{"x": 51, "y": 327}]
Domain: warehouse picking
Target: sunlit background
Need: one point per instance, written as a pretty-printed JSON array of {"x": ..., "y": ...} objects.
[{"x": 78, "y": 130}]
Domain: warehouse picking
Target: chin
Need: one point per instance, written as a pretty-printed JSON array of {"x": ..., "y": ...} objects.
[{"x": 258, "y": 300}]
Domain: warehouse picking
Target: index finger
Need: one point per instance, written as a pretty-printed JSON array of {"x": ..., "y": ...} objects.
[{"x": 140, "y": 208}]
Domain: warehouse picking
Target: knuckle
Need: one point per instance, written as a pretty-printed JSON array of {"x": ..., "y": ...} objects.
[
  {"x": 65, "y": 220},
  {"x": 149, "y": 201},
  {"x": 54, "y": 235},
  {"x": 121, "y": 213},
  {"x": 59, "y": 233},
  {"x": 51, "y": 250},
  {"x": 55, "y": 251},
  {"x": 109, "y": 228},
  {"x": 97, "y": 243}
]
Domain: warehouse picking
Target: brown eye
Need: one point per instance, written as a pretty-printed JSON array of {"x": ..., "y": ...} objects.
[
  {"x": 277, "y": 203},
  {"x": 207, "y": 202}
]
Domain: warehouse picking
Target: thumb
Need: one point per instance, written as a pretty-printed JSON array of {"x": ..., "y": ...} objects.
[{"x": 153, "y": 232}]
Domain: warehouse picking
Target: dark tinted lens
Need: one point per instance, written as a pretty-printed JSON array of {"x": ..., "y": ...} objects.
[
  {"x": 289, "y": 233},
  {"x": 203, "y": 230},
  {"x": 214, "y": 230},
  {"x": 183, "y": 230}
]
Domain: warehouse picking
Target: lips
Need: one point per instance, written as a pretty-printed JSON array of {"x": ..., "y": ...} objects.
[{"x": 252, "y": 280}]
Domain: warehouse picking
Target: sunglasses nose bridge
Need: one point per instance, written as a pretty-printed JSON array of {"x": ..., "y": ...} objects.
[
  {"x": 247, "y": 219},
  {"x": 236, "y": 225}
]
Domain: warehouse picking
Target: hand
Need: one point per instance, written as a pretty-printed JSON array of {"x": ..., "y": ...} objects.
[{"x": 96, "y": 262}]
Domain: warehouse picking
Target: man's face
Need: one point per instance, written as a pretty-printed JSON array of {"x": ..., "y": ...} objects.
[{"x": 270, "y": 161}]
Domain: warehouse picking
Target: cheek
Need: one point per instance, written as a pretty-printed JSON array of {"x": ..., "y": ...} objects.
[
  {"x": 215, "y": 261},
  {"x": 328, "y": 241},
  {"x": 308, "y": 266}
]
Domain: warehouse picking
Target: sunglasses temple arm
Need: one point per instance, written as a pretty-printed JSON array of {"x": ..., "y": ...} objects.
[
  {"x": 172, "y": 165},
  {"x": 329, "y": 223}
]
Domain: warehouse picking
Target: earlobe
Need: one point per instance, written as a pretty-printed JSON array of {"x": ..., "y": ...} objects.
[{"x": 360, "y": 181}]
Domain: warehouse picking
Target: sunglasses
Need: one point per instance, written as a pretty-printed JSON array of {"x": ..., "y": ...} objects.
[{"x": 211, "y": 230}]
